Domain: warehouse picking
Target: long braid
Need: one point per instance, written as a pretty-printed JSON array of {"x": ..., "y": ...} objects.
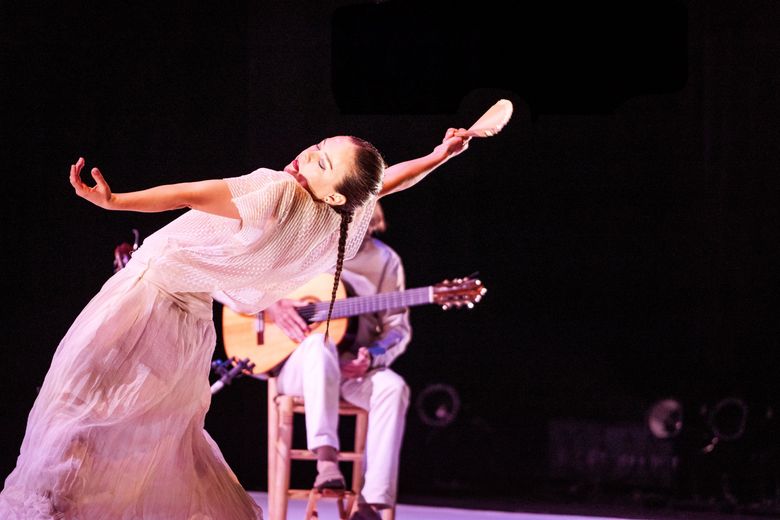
[
  {"x": 364, "y": 181},
  {"x": 346, "y": 218}
]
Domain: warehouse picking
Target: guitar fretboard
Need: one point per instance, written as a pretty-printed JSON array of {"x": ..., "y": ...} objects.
[{"x": 357, "y": 305}]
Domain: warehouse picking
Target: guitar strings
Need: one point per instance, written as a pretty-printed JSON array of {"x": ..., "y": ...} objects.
[{"x": 355, "y": 305}]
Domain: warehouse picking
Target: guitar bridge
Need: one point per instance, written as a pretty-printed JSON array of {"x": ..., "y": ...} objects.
[{"x": 260, "y": 328}]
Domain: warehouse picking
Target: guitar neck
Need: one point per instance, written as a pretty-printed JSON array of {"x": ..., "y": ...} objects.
[{"x": 357, "y": 305}]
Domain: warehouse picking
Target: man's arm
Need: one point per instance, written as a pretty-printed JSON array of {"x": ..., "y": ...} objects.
[{"x": 396, "y": 329}]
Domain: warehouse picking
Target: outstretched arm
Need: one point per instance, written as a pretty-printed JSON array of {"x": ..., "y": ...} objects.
[
  {"x": 211, "y": 196},
  {"x": 406, "y": 174}
]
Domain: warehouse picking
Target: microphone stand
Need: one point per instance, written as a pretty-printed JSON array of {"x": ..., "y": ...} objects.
[{"x": 229, "y": 369}]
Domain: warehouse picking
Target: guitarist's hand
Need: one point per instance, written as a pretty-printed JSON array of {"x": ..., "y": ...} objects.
[
  {"x": 284, "y": 315},
  {"x": 358, "y": 366}
]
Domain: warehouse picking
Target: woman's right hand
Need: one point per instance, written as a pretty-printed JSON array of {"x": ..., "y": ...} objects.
[
  {"x": 453, "y": 143},
  {"x": 100, "y": 194}
]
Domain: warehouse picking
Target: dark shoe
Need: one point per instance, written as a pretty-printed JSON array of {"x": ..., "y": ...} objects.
[{"x": 365, "y": 513}]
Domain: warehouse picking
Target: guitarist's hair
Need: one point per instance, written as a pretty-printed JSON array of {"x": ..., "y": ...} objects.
[
  {"x": 377, "y": 224},
  {"x": 346, "y": 218}
]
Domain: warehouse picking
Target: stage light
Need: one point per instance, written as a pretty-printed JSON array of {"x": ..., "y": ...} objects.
[
  {"x": 727, "y": 420},
  {"x": 665, "y": 418},
  {"x": 438, "y": 405}
]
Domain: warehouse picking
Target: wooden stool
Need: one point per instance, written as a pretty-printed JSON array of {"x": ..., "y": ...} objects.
[{"x": 281, "y": 410}]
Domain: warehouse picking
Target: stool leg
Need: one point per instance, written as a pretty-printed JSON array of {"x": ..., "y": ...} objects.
[
  {"x": 361, "y": 430},
  {"x": 282, "y": 463},
  {"x": 311, "y": 506},
  {"x": 344, "y": 512},
  {"x": 273, "y": 437}
]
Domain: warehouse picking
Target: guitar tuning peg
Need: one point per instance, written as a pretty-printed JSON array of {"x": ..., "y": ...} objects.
[
  {"x": 446, "y": 307},
  {"x": 470, "y": 305}
]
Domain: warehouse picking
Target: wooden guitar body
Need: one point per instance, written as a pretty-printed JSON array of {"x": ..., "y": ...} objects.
[
  {"x": 265, "y": 344},
  {"x": 262, "y": 343}
]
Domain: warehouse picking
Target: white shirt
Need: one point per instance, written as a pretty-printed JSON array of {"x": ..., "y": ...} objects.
[{"x": 377, "y": 268}]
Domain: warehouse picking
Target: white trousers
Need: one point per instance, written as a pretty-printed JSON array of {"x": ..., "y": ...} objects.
[{"x": 312, "y": 371}]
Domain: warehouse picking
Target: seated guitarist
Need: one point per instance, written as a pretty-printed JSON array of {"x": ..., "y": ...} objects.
[{"x": 358, "y": 370}]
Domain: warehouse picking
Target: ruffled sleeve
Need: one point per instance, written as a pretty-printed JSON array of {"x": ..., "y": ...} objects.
[
  {"x": 283, "y": 239},
  {"x": 264, "y": 198},
  {"x": 359, "y": 227}
]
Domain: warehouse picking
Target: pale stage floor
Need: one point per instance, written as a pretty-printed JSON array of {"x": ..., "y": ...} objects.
[{"x": 327, "y": 511}]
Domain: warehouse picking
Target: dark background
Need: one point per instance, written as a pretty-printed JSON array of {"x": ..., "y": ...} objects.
[{"x": 625, "y": 222}]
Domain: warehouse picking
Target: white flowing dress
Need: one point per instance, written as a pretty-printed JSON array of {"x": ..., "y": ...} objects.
[{"x": 116, "y": 432}]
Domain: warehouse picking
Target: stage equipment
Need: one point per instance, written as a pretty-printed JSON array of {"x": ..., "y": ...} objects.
[
  {"x": 229, "y": 369},
  {"x": 665, "y": 418},
  {"x": 438, "y": 405},
  {"x": 594, "y": 454},
  {"x": 727, "y": 421}
]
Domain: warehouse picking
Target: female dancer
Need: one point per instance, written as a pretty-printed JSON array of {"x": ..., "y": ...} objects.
[{"x": 116, "y": 431}]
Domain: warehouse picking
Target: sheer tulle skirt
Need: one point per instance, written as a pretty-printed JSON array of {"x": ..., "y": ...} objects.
[{"x": 117, "y": 429}]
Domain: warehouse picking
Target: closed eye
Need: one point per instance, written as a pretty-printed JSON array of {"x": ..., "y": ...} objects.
[{"x": 321, "y": 162}]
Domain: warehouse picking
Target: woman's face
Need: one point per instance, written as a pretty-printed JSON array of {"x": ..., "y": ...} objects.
[{"x": 322, "y": 167}]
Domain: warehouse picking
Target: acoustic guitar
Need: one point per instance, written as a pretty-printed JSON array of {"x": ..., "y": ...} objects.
[{"x": 252, "y": 337}]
